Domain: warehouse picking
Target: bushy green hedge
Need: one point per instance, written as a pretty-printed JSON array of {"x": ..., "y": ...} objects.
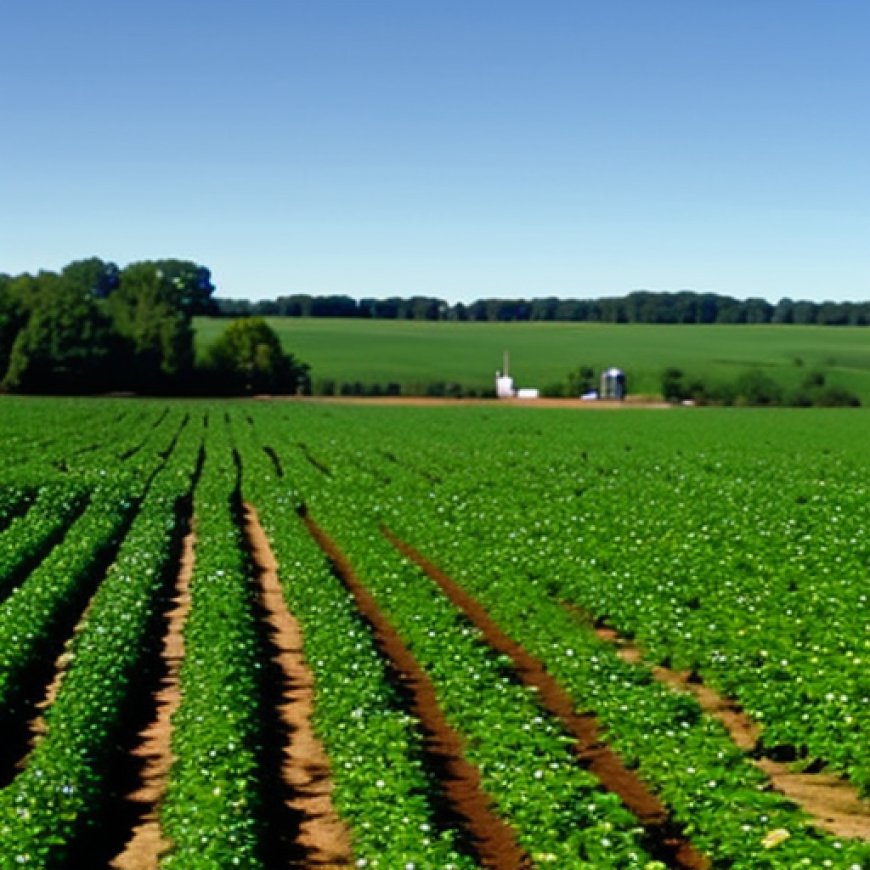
[{"x": 756, "y": 388}]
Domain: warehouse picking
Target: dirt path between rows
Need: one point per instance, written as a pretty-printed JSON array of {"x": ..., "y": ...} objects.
[
  {"x": 743, "y": 731},
  {"x": 832, "y": 802},
  {"x": 664, "y": 840},
  {"x": 493, "y": 840},
  {"x": 37, "y": 725},
  {"x": 146, "y": 843},
  {"x": 20, "y": 740},
  {"x": 322, "y": 838}
]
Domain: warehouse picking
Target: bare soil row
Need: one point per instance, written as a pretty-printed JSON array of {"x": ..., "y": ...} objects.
[
  {"x": 832, "y": 803},
  {"x": 313, "y": 835},
  {"x": 303, "y": 828},
  {"x": 492, "y": 841},
  {"x": 664, "y": 838},
  {"x": 306, "y": 829}
]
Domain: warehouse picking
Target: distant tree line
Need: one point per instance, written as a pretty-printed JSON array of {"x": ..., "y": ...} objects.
[
  {"x": 93, "y": 327},
  {"x": 756, "y": 387},
  {"x": 639, "y": 307}
]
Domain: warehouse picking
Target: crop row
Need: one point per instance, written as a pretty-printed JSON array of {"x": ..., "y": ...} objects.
[
  {"x": 722, "y": 799},
  {"x": 14, "y": 501},
  {"x": 56, "y": 590},
  {"x": 732, "y": 546},
  {"x": 212, "y": 809},
  {"x": 382, "y": 785},
  {"x": 558, "y": 811},
  {"x": 46, "y": 440},
  {"x": 62, "y": 789},
  {"x": 29, "y": 537},
  {"x": 504, "y": 542}
]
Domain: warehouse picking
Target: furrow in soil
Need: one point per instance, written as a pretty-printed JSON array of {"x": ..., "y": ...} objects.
[
  {"x": 146, "y": 843},
  {"x": 319, "y": 837},
  {"x": 664, "y": 838},
  {"x": 832, "y": 802},
  {"x": 493, "y": 841}
]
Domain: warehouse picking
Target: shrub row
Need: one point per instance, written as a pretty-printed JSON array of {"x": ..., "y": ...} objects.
[
  {"x": 755, "y": 387},
  {"x": 434, "y": 389},
  {"x": 61, "y": 790},
  {"x": 212, "y": 810}
]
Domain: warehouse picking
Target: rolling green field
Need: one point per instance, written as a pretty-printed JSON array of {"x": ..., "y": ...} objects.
[
  {"x": 416, "y": 353},
  {"x": 485, "y": 595}
]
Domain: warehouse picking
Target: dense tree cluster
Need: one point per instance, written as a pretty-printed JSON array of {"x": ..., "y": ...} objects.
[
  {"x": 758, "y": 388},
  {"x": 93, "y": 327},
  {"x": 248, "y": 358},
  {"x": 638, "y": 307}
]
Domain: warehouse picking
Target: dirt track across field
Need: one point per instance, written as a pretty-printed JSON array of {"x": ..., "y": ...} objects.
[
  {"x": 439, "y": 402},
  {"x": 833, "y": 803},
  {"x": 321, "y": 838},
  {"x": 146, "y": 843},
  {"x": 493, "y": 840},
  {"x": 664, "y": 839}
]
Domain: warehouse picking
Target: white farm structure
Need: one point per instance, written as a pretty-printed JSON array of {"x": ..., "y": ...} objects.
[
  {"x": 504, "y": 385},
  {"x": 613, "y": 384}
]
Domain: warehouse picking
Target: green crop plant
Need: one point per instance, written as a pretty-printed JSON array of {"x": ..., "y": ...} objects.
[
  {"x": 382, "y": 786},
  {"x": 211, "y": 814},
  {"x": 61, "y": 790}
]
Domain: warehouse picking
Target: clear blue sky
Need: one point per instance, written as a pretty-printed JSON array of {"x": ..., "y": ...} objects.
[{"x": 460, "y": 148}]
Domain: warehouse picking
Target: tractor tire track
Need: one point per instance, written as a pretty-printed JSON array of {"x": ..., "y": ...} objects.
[
  {"x": 493, "y": 840},
  {"x": 315, "y": 836},
  {"x": 663, "y": 837},
  {"x": 832, "y": 802},
  {"x": 153, "y": 754}
]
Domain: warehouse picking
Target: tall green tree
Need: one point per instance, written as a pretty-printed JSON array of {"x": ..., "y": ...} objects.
[
  {"x": 248, "y": 358},
  {"x": 66, "y": 344},
  {"x": 92, "y": 276},
  {"x": 12, "y": 318},
  {"x": 151, "y": 312},
  {"x": 191, "y": 283}
]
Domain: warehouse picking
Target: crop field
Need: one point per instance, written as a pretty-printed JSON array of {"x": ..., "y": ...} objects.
[
  {"x": 286, "y": 634},
  {"x": 415, "y": 354}
]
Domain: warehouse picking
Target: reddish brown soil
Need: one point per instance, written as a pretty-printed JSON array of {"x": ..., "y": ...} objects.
[
  {"x": 146, "y": 843},
  {"x": 664, "y": 840},
  {"x": 494, "y": 841},
  {"x": 323, "y": 839},
  {"x": 435, "y": 402},
  {"x": 832, "y": 803}
]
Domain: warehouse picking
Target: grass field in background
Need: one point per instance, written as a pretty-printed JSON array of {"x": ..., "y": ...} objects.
[{"x": 417, "y": 353}]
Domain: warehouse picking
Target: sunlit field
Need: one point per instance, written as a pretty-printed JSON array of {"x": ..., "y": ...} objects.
[{"x": 417, "y": 353}]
